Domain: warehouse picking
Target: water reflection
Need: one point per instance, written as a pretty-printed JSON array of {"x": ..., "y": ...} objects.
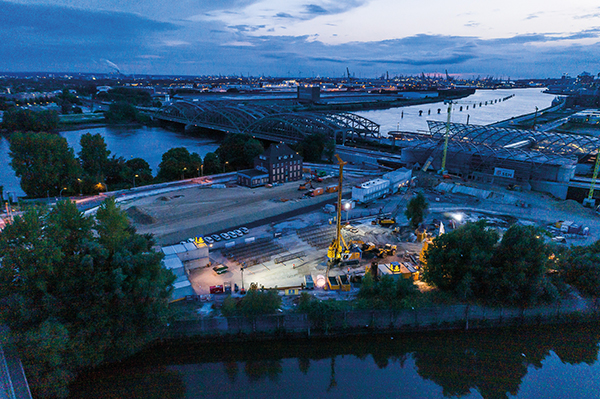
[{"x": 488, "y": 364}]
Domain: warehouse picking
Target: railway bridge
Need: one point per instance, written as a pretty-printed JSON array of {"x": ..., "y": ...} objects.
[{"x": 269, "y": 122}]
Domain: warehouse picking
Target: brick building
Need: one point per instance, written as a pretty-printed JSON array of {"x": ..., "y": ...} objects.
[{"x": 279, "y": 162}]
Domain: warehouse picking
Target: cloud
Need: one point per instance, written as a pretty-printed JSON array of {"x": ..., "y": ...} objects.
[
  {"x": 283, "y": 15},
  {"x": 314, "y": 9}
]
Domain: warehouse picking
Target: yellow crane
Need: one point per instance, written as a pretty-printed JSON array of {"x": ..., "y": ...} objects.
[
  {"x": 590, "y": 201},
  {"x": 339, "y": 251}
]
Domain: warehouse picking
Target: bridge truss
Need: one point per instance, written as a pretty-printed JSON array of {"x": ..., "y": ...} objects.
[{"x": 268, "y": 121}]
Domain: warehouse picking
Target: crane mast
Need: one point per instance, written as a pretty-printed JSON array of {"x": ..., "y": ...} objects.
[
  {"x": 589, "y": 201},
  {"x": 443, "y": 168}
]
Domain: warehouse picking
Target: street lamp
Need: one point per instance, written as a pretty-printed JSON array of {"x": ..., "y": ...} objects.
[
  {"x": 183, "y": 173},
  {"x": 60, "y": 194},
  {"x": 202, "y": 169},
  {"x": 134, "y": 176},
  {"x": 347, "y": 207},
  {"x": 79, "y": 181}
]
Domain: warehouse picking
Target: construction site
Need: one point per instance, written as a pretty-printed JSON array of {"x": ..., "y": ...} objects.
[{"x": 325, "y": 243}]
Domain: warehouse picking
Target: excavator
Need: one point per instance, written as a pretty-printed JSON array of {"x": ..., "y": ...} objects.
[
  {"x": 339, "y": 252},
  {"x": 305, "y": 185}
]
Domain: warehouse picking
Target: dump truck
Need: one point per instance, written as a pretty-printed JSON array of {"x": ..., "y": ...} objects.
[{"x": 332, "y": 189}]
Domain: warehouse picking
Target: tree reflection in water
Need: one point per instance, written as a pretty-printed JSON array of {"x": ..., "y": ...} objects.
[{"x": 492, "y": 362}]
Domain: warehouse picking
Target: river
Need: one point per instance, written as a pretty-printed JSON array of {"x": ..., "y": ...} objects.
[
  {"x": 536, "y": 362},
  {"x": 151, "y": 142}
]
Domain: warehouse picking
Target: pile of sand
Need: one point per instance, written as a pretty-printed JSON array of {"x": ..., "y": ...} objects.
[
  {"x": 572, "y": 206},
  {"x": 138, "y": 216}
]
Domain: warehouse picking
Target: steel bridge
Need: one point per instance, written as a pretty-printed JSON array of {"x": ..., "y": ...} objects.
[{"x": 269, "y": 122}]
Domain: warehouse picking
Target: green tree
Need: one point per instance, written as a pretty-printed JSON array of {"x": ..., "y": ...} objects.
[
  {"x": 320, "y": 313},
  {"x": 122, "y": 112},
  {"x": 386, "y": 293},
  {"x": 312, "y": 146},
  {"x": 178, "y": 163},
  {"x": 212, "y": 164},
  {"x": 415, "y": 209},
  {"x": 94, "y": 156},
  {"x": 77, "y": 292},
  {"x": 26, "y": 120},
  {"x": 239, "y": 150},
  {"x": 521, "y": 264},
  {"x": 459, "y": 262},
  {"x": 139, "y": 167},
  {"x": 580, "y": 267},
  {"x": 45, "y": 164}
]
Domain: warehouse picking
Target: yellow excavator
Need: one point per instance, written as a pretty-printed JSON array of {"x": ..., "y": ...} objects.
[{"x": 339, "y": 252}]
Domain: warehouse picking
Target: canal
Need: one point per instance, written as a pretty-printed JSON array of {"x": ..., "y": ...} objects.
[{"x": 533, "y": 362}]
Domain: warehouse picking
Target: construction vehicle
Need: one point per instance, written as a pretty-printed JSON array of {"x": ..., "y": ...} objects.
[
  {"x": 332, "y": 189},
  {"x": 590, "y": 201},
  {"x": 386, "y": 250},
  {"x": 339, "y": 252},
  {"x": 305, "y": 185},
  {"x": 384, "y": 221},
  {"x": 253, "y": 287}
]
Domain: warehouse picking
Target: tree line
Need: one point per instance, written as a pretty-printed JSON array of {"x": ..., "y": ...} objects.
[
  {"x": 78, "y": 291},
  {"x": 48, "y": 167}
]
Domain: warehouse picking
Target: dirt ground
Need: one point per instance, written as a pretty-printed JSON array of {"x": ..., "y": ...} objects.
[{"x": 178, "y": 215}]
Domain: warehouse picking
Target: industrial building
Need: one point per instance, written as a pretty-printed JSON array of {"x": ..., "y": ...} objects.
[{"x": 541, "y": 161}]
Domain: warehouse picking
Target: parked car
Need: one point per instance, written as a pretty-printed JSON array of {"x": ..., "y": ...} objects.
[
  {"x": 208, "y": 239},
  {"x": 232, "y": 234},
  {"x": 244, "y": 230},
  {"x": 216, "y": 237},
  {"x": 225, "y": 236},
  {"x": 216, "y": 289},
  {"x": 238, "y": 232}
]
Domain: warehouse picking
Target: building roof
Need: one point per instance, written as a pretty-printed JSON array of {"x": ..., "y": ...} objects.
[
  {"x": 251, "y": 173},
  {"x": 280, "y": 151}
]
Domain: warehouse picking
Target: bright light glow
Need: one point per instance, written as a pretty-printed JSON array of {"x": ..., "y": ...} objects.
[{"x": 457, "y": 216}]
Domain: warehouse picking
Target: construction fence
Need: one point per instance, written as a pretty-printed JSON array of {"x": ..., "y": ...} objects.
[{"x": 429, "y": 318}]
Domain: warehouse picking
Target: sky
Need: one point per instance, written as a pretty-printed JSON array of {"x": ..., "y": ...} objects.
[{"x": 505, "y": 39}]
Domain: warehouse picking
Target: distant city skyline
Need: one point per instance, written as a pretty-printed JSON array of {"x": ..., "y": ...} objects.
[{"x": 534, "y": 39}]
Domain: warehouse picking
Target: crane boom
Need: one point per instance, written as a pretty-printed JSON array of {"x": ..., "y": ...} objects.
[{"x": 590, "y": 198}]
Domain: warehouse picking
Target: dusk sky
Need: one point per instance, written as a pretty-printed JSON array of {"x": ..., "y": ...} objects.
[{"x": 507, "y": 38}]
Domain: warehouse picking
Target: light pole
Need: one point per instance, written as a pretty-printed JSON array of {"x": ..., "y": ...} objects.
[
  {"x": 134, "y": 176},
  {"x": 79, "y": 181},
  {"x": 202, "y": 169},
  {"x": 183, "y": 173},
  {"x": 347, "y": 208},
  {"x": 60, "y": 194}
]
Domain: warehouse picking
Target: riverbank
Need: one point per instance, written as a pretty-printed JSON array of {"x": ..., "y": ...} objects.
[{"x": 360, "y": 322}]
